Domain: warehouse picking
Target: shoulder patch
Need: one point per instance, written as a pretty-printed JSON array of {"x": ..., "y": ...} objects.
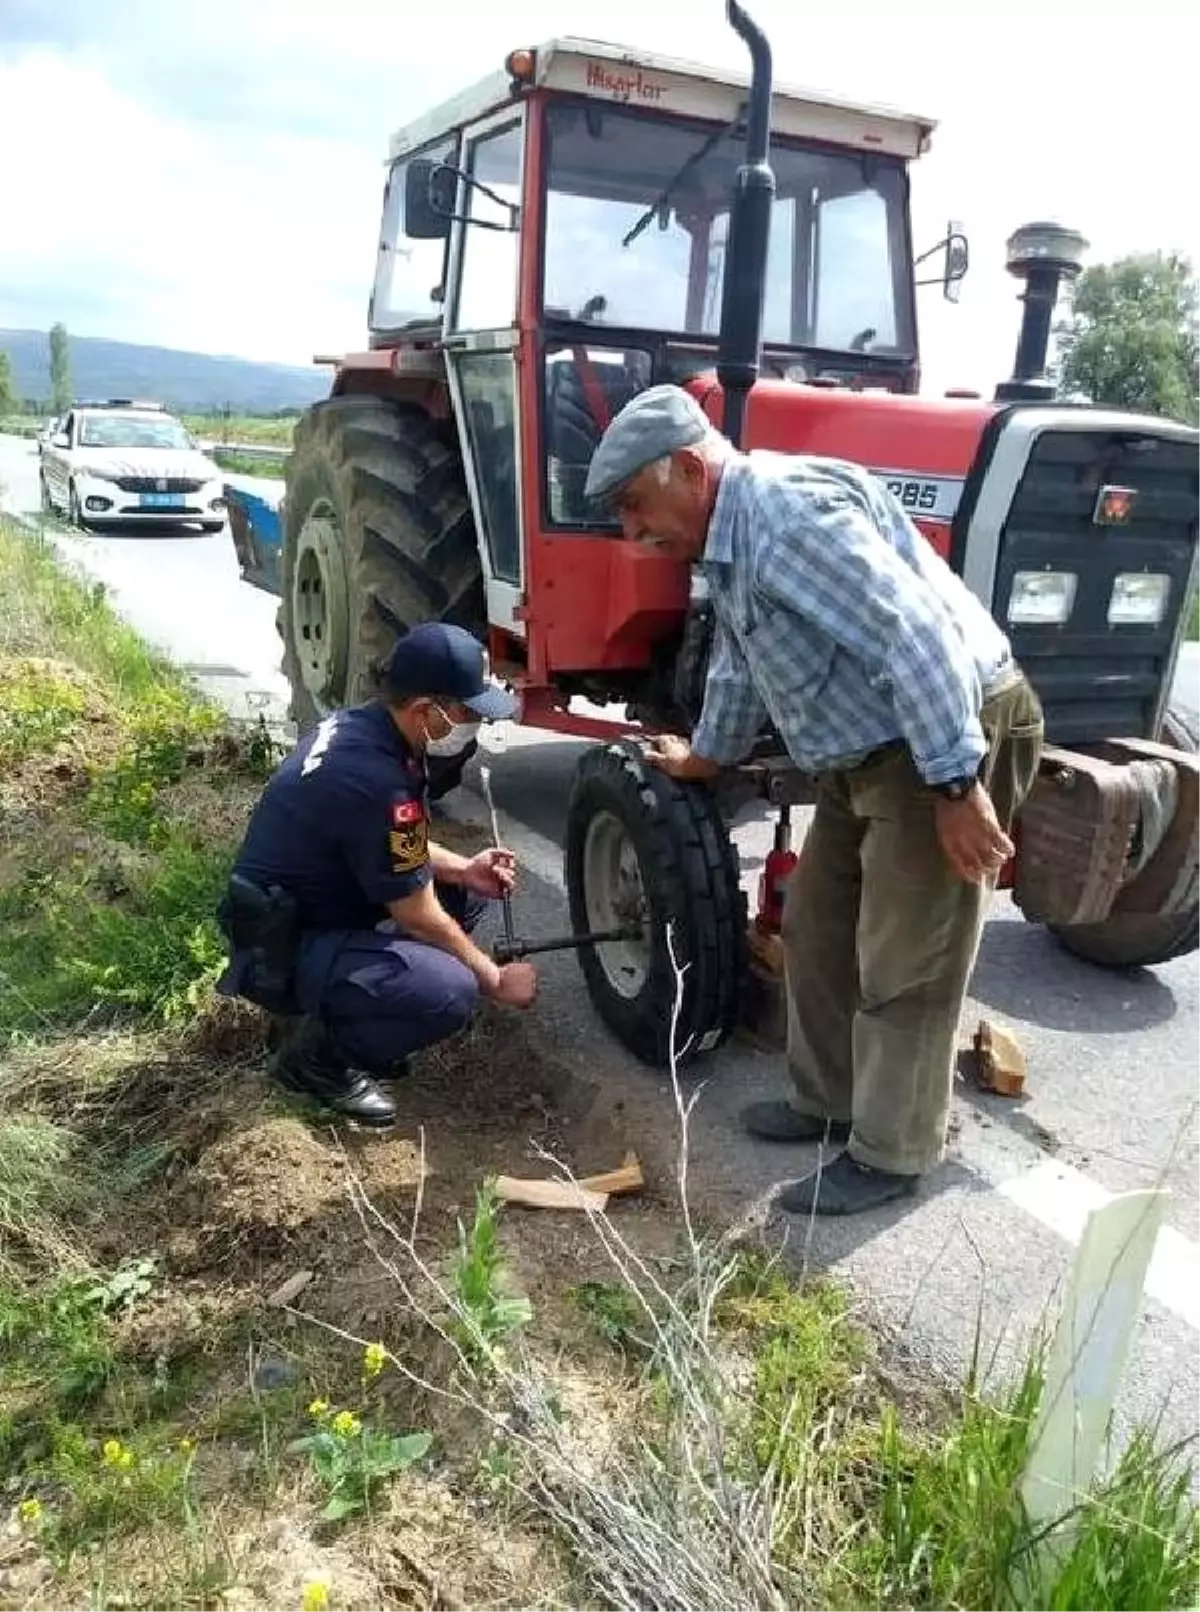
[{"x": 408, "y": 837}]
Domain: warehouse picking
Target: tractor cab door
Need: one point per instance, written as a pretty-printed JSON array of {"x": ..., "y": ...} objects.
[{"x": 480, "y": 338}]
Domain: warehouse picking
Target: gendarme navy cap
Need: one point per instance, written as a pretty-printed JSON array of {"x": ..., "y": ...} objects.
[
  {"x": 652, "y": 425},
  {"x": 446, "y": 662}
]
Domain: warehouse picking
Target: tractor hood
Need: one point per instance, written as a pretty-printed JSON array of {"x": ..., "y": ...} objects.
[{"x": 921, "y": 447}]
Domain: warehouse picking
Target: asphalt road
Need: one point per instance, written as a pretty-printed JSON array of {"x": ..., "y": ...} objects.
[{"x": 1112, "y": 1084}]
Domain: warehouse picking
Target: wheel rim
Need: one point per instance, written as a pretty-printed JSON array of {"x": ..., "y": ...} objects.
[
  {"x": 320, "y": 629},
  {"x": 614, "y": 897}
]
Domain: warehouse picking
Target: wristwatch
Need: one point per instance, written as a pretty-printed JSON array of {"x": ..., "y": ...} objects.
[{"x": 954, "y": 788}]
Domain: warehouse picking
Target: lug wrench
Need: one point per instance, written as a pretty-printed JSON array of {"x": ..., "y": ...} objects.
[
  {"x": 510, "y": 935},
  {"x": 510, "y": 949}
]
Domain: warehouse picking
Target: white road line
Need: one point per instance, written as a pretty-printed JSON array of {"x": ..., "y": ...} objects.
[{"x": 1062, "y": 1198}]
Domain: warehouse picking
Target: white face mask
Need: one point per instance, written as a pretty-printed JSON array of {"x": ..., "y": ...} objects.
[{"x": 460, "y": 735}]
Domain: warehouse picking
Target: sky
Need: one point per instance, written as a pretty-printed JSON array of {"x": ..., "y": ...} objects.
[{"x": 209, "y": 176}]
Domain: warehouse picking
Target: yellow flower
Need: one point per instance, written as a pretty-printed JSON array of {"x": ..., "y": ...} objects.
[
  {"x": 374, "y": 1356},
  {"x": 346, "y": 1424},
  {"x": 112, "y": 1452},
  {"x": 186, "y": 1446},
  {"x": 319, "y": 1408},
  {"x": 316, "y": 1595},
  {"x": 30, "y": 1512}
]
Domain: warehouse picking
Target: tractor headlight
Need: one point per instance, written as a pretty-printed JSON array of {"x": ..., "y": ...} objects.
[
  {"x": 1138, "y": 599},
  {"x": 1041, "y": 598}
]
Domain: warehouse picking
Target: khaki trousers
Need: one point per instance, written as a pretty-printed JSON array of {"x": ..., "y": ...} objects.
[{"x": 880, "y": 939}]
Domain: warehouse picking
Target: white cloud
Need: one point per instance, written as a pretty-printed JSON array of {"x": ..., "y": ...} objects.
[{"x": 211, "y": 178}]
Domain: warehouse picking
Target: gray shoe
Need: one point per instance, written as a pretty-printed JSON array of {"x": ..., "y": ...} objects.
[{"x": 780, "y": 1122}]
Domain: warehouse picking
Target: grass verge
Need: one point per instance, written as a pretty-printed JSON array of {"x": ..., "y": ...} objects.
[
  {"x": 257, "y": 429},
  {"x": 243, "y": 465},
  {"x": 246, "y": 1359}
]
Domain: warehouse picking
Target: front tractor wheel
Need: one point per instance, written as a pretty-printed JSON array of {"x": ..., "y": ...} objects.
[
  {"x": 1142, "y": 939},
  {"x": 378, "y": 537},
  {"x": 645, "y": 852}
]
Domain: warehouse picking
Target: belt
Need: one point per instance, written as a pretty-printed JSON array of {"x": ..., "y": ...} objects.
[{"x": 1006, "y": 676}]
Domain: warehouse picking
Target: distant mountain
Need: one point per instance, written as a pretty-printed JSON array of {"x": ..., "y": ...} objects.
[{"x": 195, "y": 383}]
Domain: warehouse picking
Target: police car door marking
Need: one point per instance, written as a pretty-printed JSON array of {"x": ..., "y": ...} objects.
[
  {"x": 320, "y": 745},
  {"x": 924, "y": 498}
]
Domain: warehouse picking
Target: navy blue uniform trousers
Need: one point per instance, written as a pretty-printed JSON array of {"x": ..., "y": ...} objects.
[{"x": 382, "y": 995}]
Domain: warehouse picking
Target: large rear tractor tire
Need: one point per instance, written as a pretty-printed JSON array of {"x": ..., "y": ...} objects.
[
  {"x": 378, "y": 537},
  {"x": 1141, "y": 939},
  {"x": 642, "y": 848}
]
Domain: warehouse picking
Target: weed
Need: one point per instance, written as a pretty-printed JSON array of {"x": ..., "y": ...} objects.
[
  {"x": 154, "y": 950},
  {"x": 38, "y": 709},
  {"x": 614, "y": 1312},
  {"x": 352, "y": 1459},
  {"x": 805, "y": 1355},
  {"x": 488, "y": 1314},
  {"x": 496, "y": 1470},
  {"x": 162, "y": 738},
  {"x": 54, "y": 1183},
  {"x": 49, "y": 611},
  {"x": 112, "y": 1487},
  {"x": 58, "y": 1349}
]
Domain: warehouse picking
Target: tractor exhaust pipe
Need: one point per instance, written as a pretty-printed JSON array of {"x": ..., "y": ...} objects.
[
  {"x": 749, "y": 232},
  {"x": 1042, "y": 255}
]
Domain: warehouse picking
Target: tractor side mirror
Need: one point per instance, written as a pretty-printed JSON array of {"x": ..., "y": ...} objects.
[
  {"x": 956, "y": 259},
  {"x": 429, "y": 190}
]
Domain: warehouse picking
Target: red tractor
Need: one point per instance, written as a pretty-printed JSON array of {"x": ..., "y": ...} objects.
[{"x": 586, "y": 223}]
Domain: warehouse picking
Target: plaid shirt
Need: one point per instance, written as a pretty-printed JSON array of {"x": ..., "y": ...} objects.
[{"x": 837, "y": 620}]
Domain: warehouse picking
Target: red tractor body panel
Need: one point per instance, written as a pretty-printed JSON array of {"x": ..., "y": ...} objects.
[{"x": 597, "y": 604}]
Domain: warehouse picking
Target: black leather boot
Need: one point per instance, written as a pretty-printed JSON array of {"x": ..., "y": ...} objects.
[{"x": 306, "y": 1063}]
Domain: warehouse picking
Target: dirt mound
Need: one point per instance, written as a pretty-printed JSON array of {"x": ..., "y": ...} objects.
[{"x": 261, "y": 1185}]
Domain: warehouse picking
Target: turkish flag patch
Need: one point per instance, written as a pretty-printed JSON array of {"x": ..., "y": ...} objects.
[{"x": 407, "y": 811}]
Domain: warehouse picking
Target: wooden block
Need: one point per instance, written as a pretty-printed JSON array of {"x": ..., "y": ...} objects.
[
  {"x": 763, "y": 1017},
  {"x": 766, "y": 950},
  {"x": 999, "y": 1060},
  {"x": 628, "y": 1178},
  {"x": 549, "y": 1194}
]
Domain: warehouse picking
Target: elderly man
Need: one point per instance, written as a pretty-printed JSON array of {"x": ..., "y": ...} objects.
[
  {"x": 342, "y": 906},
  {"x": 890, "y": 683}
]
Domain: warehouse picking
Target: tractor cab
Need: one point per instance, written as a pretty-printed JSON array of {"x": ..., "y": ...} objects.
[{"x": 560, "y": 232}]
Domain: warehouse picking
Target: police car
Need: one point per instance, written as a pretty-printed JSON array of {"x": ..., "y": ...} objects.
[{"x": 121, "y": 462}]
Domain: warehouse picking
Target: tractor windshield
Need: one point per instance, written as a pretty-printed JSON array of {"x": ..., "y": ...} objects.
[{"x": 839, "y": 273}]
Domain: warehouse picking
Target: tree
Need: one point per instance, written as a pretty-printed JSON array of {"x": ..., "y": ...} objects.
[
  {"x": 9, "y": 402},
  {"x": 1131, "y": 339},
  {"x": 60, "y": 368}
]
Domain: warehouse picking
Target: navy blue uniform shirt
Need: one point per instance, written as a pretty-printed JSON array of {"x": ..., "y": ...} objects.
[{"x": 343, "y": 824}]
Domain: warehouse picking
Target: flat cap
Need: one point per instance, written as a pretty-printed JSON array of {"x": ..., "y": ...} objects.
[{"x": 652, "y": 425}]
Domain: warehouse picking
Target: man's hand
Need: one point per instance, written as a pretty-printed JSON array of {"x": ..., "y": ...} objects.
[
  {"x": 677, "y": 759},
  {"x": 517, "y": 985},
  {"x": 491, "y": 874},
  {"x": 975, "y": 845}
]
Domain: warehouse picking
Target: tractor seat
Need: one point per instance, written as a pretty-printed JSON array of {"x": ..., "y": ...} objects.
[{"x": 578, "y": 408}]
